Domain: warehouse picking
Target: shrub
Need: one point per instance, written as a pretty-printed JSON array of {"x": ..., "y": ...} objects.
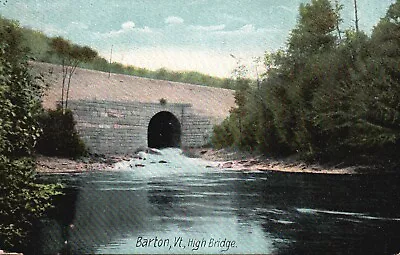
[
  {"x": 224, "y": 134},
  {"x": 22, "y": 199},
  {"x": 59, "y": 137},
  {"x": 163, "y": 101}
]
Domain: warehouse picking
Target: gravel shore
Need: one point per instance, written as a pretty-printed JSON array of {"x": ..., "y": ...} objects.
[
  {"x": 243, "y": 161},
  {"x": 46, "y": 164}
]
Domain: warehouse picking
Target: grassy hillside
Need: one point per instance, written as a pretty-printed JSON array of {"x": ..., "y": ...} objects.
[{"x": 37, "y": 44}]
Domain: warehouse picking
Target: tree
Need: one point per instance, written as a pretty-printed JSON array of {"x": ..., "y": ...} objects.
[
  {"x": 381, "y": 71},
  {"x": 385, "y": 40},
  {"x": 71, "y": 56},
  {"x": 323, "y": 98},
  {"x": 338, "y": 9},
  {"x": 22, "y": 199},
  {"x": 313, "y": 32},
  {"x": 301, "y": 72}
]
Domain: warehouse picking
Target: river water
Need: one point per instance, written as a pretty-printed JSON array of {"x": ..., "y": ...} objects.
[{"x": 184, "y": 206}]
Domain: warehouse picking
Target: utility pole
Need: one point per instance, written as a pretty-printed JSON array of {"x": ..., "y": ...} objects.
[
  {"x": 109, "y": 70},
  {"x": 356, "y": 15}
]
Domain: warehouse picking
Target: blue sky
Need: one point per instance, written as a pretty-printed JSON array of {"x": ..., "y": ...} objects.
[{"x": 199, "y": 35}]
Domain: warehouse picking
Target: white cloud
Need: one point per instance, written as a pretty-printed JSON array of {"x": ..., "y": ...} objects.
[
  {"x": 249, "y": 28},
  {"x": 173, "y": 20},
  {"x": 128, "y": 25},
  {"x": 145, "y": 29},
  {"x": 285, "y": 8},
  {"x": 51, "y": 30},
  {"x": 142, "y": 35},
  {"x": 233, "y": 18},
  {"x": 208, "y": 28},
  {"x": 76, "y": 25}
]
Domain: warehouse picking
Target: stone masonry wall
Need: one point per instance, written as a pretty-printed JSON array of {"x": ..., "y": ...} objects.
[{"x": 109, "y": 127}]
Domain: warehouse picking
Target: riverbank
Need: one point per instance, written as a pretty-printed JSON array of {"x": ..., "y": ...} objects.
[
  {"x": 223, "y": 159},
  {"x": 90, "y": 163},
  {"x": 46, "y": 164},
  {"x": 244, "y": 161}
]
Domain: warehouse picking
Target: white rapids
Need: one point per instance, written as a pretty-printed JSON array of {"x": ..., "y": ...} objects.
[{"x": 169, "y": 161}]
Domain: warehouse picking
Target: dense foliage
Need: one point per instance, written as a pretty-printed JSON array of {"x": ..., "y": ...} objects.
[
  {"x": 327, "y": 96},
  {"x": 59, "y": 136},
  {"x": 40, "y": 46},
  {"x": 22, "y": 200}
]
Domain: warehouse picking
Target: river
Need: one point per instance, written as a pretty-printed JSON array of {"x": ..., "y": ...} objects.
[{"x": 174, "y": 204}]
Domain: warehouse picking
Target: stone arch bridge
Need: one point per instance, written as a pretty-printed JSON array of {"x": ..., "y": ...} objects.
[{"x": 118, "y": 114}]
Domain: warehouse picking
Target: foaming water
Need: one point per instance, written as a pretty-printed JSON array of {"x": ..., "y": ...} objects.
[{"x": 165, "y": 162}]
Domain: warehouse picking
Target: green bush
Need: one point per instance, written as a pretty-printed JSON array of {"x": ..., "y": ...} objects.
[
  {"x": 59, "y": 137},
  {"x": 22, "y": 199},
  {"x": 223, "y": 134}
]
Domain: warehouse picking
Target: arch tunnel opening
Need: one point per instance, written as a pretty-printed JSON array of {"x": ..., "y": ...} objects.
[{"x": 164, "y": 131}]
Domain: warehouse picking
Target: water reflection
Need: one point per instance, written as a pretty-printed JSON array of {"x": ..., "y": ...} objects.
[
  {"x": 272, "y": 213},
  {"x": 351, "y": 215}
]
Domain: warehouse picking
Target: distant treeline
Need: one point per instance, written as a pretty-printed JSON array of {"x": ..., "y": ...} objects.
[
  {"x": 39, "y": 47},
  {"x": 331, "y": 95}
]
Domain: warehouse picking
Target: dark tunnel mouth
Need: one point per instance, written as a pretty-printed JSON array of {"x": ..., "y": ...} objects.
[{"x": 164, "y": 131}]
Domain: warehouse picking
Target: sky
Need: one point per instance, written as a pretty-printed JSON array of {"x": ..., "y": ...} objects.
[{"x": 209, "y": 36}]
